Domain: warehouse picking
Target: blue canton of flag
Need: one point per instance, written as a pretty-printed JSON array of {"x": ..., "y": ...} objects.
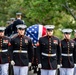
[{"x": 35, "y": 32}]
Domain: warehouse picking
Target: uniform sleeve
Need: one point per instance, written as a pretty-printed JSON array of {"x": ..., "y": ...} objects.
[
  {"x": 15, "y": 23},
  {"x": 6, "y": 31},
  {"x": 13, "y": 26},
  {"x": 74, "y": 53},
  {"x": 10, "y": 49},
  {"x": 30, "y": 51},
  {"x": 59, "y": 52},
  {"x": 38, "y": 52}
]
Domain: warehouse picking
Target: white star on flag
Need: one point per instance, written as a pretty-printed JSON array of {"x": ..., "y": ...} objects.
[{"x": 35, "y": 32}]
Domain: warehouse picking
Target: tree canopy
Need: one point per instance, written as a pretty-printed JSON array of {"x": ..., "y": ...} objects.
[{"x": 60, "y": 13}]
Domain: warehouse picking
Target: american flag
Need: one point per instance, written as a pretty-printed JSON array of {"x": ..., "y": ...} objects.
[{"x": 35, "y": 32}]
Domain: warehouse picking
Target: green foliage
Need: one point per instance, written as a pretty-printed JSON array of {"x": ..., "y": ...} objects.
[{"x": 40, "y": 11}]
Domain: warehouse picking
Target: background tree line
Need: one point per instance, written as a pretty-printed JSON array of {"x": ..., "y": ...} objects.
[{"x": 61, "y": 13}]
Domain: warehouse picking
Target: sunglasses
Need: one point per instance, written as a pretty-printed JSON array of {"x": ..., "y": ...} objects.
[
  {"x": 66, "y": 33},
  {"x": 49, "y": 30},
  {"x": 21, "y": 29}
]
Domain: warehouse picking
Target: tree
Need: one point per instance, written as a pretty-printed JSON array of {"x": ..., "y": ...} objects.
[{"x": 61, "y": 13}]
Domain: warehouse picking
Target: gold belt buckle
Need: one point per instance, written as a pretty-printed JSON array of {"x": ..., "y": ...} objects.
[
  {"x": 49, "y": 54},
  {"x": 0, "y": 50},
  {"x": 19, "y": 51}
]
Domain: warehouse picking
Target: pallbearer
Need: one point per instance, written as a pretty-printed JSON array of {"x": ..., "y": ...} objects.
[
  {"x": 75, "y": 42},
  {"x": 4, "y": 53},
  {"x": 48, "y": 52},
  {"x": 68, "y": 53},
  {"x": 8, "y": 30},
  {"x": 17, "y": 22},
  {"x": 21, "y": 51}
]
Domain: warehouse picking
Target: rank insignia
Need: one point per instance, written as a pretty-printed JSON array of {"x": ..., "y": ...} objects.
[
  {"x": 5, "y": 41},
  {"x": 72, "y": 44},
  {"x": 55, "y": 42},
  {"x": 26, "y": 41}
]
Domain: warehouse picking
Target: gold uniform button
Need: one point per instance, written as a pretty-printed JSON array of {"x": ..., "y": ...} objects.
[
  {"x": 21, "y": 40},
  {"x": 21, "y": 45},
  {"x": 49, "y": 46},
  {"x": 49, "y": 43},
  {"x": 50, "y": 49},
  {"x": 49, "y": 54},
  {"x": 20, "y": 50}
]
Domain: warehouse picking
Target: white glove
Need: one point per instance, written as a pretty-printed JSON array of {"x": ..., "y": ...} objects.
[
  {"x": 75, "y": 65},
  {"x": 12, "y": 63},
  {"x": 39, "y": 66},
  {"x": 29, "y": 64},
  {"x": 58, "y": 66}
]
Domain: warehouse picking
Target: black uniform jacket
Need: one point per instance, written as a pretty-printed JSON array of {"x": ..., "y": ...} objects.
[
  {"x": 8, "y": 30},
  {"x": 49, "y": 52},
  {"x": 21, "y": 50},
  {"x": 15, "y": 23},
  {"x": 4, "y": 53},
  {"x": 68, "y": 48}
]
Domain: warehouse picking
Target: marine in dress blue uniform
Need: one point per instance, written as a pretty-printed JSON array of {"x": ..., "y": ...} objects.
[
  {"x": 4, "y": 53},
  {"x": 68, "y": 53},
  {"x": 17, "y": 22},
  {"x": 8, "y": 30},
  {"x": 75, "y": 42},
  {"x": 48, "y": 52},
  {"x": 21, "y": 51}
]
